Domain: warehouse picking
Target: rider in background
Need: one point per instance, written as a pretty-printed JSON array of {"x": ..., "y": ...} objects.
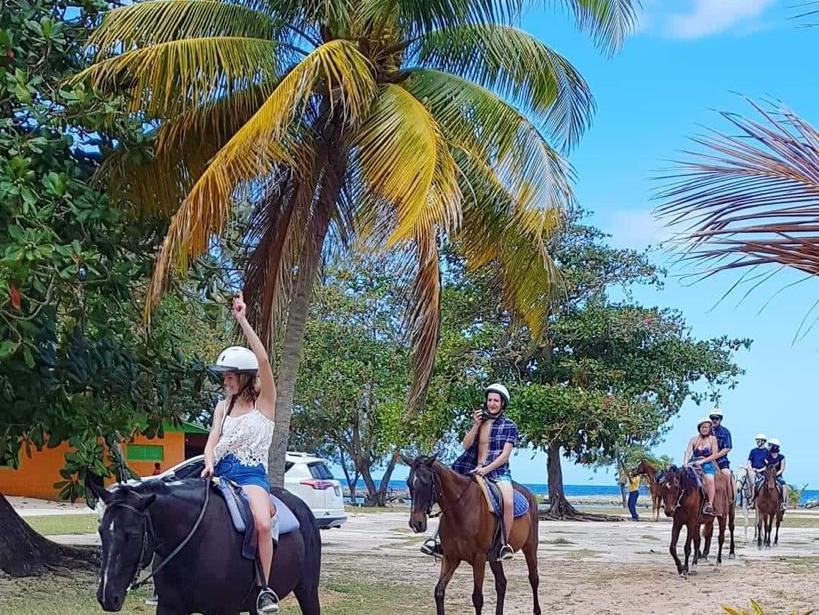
[
  {"x": 757, "y": 457},
  {"x": 240, "y": 437},
  {"x": 777, "y": 460},
  {"x": 702, "y": 450},
  {"x": 723, "y": 437}
]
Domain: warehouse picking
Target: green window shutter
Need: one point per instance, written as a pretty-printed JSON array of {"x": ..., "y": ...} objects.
[{"x": 146, "y": 452}]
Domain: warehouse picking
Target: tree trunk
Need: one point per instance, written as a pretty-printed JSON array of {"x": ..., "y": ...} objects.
[
  {"x": 23, "y": 552},
  {"x": 559, "y": 507},
  {"x": 372, "y": 490},
  {"x": 385, "y": 481},
  {"x": 329, "y": 190}
]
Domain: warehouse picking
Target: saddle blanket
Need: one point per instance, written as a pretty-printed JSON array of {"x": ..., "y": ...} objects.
[
  {"x": 239, "y": 507},
  {"x": 521, "y": 503}
]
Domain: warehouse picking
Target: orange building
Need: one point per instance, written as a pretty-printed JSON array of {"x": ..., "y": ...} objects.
[{"x": 37, "y": 474}]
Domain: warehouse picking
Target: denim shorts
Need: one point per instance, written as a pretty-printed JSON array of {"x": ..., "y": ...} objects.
[
  {"x": 504, "y": 476},
  {"x": 231, "y": 468}
]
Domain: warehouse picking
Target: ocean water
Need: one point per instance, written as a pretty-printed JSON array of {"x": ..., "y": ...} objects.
[{"x": 572, "y": 490}]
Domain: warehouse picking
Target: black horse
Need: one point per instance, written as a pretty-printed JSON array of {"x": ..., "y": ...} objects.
[{"x": 208, "y": 573}]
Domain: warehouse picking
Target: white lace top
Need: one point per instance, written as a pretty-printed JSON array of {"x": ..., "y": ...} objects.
[{"x": 246, "y": 436}]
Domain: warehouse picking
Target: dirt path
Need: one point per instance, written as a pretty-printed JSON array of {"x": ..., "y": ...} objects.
[{"x": 605, "y": 568}]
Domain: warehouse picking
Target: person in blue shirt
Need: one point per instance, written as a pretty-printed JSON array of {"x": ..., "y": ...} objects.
[
  {"x": 487, "y": 447},
  {"x": 723, "y": 437},
  {"x": 758, "y": 455},
  {"x": 777, "y": 460}
]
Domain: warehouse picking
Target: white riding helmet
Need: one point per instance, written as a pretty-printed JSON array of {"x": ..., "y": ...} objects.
[
  {"x": 704, "y": 419},
  {"x": 760, "y": 436},
  {"x": 773, "y": 442},
  {"x": 499, "y": 389},
  {"x": 237, "y": 359},
  {"x": 715, "y": 412}
]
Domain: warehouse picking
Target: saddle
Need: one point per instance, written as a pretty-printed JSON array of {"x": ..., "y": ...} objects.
[
  {"x": 494, "y": 501},
  {"x": 238, "y": 505}
]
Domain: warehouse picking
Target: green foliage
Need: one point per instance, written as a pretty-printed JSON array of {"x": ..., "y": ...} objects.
[
  {"x": 75, "y": 364},
  {"x": 354, "y": 378}
]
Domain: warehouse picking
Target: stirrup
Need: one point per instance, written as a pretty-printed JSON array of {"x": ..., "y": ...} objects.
[
  {"x": 431, "y": 547},
  {"x": 707, "y": 509},
  {"x": 506, "y": 553},
  {"x": 267, "y": 601}
]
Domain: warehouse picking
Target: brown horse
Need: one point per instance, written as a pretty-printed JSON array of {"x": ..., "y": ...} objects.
[
  {"x": 467, "y": 528},
  {"x": 768, "y": 506},
  {"x": 682, "y": 501},
  {"x": 724, "y": 510},
  {"x": 649, "y": 471}
]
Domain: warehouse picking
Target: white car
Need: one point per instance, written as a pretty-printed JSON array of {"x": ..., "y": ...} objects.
[{"x": 305, "y": 476}]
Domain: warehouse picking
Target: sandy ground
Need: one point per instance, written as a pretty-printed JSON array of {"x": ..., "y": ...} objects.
[{"x": 601, "y": 568}]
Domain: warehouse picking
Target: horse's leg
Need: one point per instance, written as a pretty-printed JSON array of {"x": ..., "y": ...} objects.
[
  {"x": 732, "y": 512},
  {"x": 691, "y": 527},
  {"x": 530, "y": 551},
  {"x": 308, "y": 598},
  {"x": 760, "y": 520},
  {"x": 672, "y": 548},
  {"x": 478, "y": 569},
  {"x": 778, "y": 521},
  {"x": 448, "y": 568},
  {"x": 707, "y": 534},
  {"x": 720, "y": 538},
  {"x": 768, "y": 530},
  {"x": 500, "y": 585},
  {"x": 696, "y": 558}
]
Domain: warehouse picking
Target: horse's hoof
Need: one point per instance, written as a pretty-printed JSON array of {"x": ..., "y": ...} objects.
[
  {"x": 692, "y": 572},
  {"x": 732, "y": 556}
]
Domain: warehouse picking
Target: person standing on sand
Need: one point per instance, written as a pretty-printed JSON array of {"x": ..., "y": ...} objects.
[{"x": 633, "y": 494}]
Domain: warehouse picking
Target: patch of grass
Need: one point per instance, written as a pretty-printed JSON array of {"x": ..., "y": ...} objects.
[
  {"x": 557, "y": 541},
  {"x": 367, "y": 510},
  {"x": 48, "y": 525},
  {"x": 74, "y": 595}
]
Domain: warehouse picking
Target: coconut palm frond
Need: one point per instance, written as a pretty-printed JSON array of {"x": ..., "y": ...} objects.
[
  {"x": 519, "y": 67},
  {"x": 162, "y": 21},
  {"x": 609, "y": 22},
  {"x": 751, "y": 198}
]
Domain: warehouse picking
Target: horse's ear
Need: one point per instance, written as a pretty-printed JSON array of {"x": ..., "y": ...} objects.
[
  {"x": 144, "y": 501},
  {"x": 98, "y": 490},
  {"x": 407, "y": 460}
]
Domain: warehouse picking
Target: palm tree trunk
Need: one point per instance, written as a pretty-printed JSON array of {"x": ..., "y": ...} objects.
[{"x": 334, "y": 156}]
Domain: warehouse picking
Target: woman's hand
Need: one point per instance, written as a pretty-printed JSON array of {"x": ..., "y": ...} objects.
[
  {"x": 239, "y": 307},
  {"x": 207, "y": 471}
]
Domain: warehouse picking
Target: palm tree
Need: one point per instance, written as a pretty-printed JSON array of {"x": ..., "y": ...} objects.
[
  {"x": 750, "y": 199},
  {"x": 388, "y": 123}
]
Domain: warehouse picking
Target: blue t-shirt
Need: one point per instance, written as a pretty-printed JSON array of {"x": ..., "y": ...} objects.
[
  {"x": 757, "y": 457},
  {"x": 770, "y": 461},
  {"x": 723, "y": 437}
]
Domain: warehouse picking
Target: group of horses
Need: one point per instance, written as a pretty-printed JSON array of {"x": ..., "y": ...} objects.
[
  {"x": 678, "y": 491},
  {"x": 183, "y": 532}
]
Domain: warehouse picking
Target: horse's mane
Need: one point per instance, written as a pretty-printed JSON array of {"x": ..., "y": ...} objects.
[
  {"x": 688, "y": 479},
  {"x": 189, "y": 489}
]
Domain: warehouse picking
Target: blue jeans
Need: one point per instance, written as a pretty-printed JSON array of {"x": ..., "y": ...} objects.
[{"x": 632, "y": 504}]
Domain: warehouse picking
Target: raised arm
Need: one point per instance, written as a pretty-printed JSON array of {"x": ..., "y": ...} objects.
[
  {"x": 266, "y": 402},
  {"x": 469, "y": 438},
  {"x": 689, "y": 450}
]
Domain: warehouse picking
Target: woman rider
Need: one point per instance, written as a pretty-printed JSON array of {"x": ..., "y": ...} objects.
[
  {"x": 777, "y": 460},
  {"x": 240, "y": 436},
  {"x": 701, "y": 451}
]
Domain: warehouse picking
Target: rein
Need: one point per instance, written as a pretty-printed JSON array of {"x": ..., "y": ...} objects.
[{"x": 149, "y": 532}]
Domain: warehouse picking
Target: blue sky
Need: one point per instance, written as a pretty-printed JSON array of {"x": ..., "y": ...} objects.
[{"x": 689, "y": 59}]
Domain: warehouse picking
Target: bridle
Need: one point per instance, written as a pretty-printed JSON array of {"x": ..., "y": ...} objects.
[
  {"x": 149, "y": 537},
  {"x": 679, "y": 497}
]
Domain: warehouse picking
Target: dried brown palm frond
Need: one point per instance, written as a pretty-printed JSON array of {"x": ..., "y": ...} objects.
[{"x": 751, "y": 198}]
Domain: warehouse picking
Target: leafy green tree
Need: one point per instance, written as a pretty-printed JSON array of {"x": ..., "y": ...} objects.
[
  {"x": 352, "y": 389},
  {"x": 383, "y": 122},
  {"x": 75, "y": 365}
]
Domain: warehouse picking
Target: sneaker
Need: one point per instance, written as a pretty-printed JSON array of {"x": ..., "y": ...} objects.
[
  {"x": 708, "y": 509},
  {"x": 152, "y": 600},
  {"x": 506, "y": 553},
  {"x": 431, "y": 547},
  {"x": 267, "y": 601}
]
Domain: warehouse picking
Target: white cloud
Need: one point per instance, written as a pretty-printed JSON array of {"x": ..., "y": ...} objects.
[
  {"x": 708, "y": 17},
  {"x": 636, "y": 229}
]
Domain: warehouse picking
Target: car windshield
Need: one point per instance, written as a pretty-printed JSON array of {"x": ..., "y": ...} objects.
[{"x": 190, "y": 470}]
